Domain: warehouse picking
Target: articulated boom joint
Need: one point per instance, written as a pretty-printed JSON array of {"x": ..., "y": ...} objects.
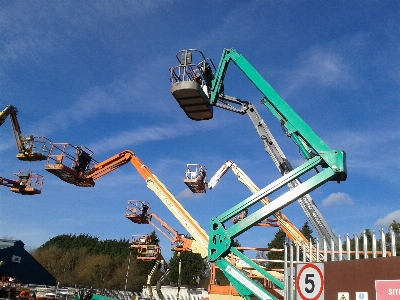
[
  {"x": 336, "y": 160},
  {"x": 219, "y": 243}
]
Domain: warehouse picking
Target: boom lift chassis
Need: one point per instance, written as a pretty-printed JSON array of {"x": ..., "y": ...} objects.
[{"x": 330, "y": 164}]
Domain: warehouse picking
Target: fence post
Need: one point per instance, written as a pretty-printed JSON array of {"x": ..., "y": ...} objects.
[
  {"x": 365, "y": 244},
  {"x": 290, "y": 281},
  {"x": 383, "y": 243},
  {"x": 357, "y": 255},
  {"x": 285, "y": 273},
  {"x": 392, "y": 241},
  {"x": 348, "y": 246},
  {"x": 373, "y": 245}
]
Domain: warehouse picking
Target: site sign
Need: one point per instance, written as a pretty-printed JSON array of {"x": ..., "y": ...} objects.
[
  {"x": 310, "y": 281},
  {"x": 387, "y": 289}
]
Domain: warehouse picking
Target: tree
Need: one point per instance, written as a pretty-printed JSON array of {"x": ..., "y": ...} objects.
[
  {"x": 396, "y": 229},
  {"x": 307, "y": 232},
  {"x": 192, "y": 270},
  {"x": 219, "y": 275},
  {"x": 276, "y": 243},
  {"x": 85, "y": 260}
]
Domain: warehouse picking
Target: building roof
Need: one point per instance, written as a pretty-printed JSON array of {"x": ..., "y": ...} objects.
[{"x": 10, "y": 243}]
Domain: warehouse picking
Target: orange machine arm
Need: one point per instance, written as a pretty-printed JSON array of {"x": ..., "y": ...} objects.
[
  {"x": 200, "y": 242},
  {"x": 183, "y": 244},
  {"x": 8, "y": 182},
  {"x": 110, "y": 164}
]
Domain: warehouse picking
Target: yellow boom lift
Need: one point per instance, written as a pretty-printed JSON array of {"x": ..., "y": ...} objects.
[{"x": 30, "y": 148}]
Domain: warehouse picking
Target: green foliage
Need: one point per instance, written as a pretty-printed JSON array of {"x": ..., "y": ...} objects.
[
  {"x": 192, "y": 270},
  {"x": 85, "y": 260},
  {"x": 278, "y": 242},
  {"x": 307, "y": 232},
  {"x": 92, "y": 244},
  {"x": 220, "y": 277},
  {"x": 396, "y": 229}
]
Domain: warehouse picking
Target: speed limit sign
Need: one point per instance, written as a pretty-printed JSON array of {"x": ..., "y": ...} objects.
[{"x": 310, "y": 281}]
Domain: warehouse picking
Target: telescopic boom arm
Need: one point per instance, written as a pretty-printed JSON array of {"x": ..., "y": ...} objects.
[
  {"x": 30, "y": 148},
  {"x": 200, "y": 242},
  {"x": 330, "y": 164},
  {"x": 291, "y": 231}
]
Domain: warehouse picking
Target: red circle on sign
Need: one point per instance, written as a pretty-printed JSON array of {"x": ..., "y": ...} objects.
[{"x": 320, "y": 276}]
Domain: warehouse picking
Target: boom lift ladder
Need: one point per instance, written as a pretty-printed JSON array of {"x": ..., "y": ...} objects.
[
  {"x": 30, "y": 148},
  {"x": 330, "y": 166},
  {"x": 24, "y": 182}
]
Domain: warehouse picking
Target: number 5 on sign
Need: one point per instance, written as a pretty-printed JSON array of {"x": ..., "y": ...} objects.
[{"x": 310, "y": 281}]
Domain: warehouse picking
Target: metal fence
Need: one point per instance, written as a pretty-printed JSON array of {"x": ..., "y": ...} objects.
[{"x": 326, "y": 251}]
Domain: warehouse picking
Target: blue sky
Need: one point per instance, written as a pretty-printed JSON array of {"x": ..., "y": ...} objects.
[{"x": 95, "y": 73}]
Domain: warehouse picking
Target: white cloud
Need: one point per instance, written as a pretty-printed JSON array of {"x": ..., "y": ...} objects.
[
  {"x": 388, "y": 219},
  {"x": 337, "y": 199},
  {"x": 321, "y": 67},
  {"x": 32, "y": 29},
  {"x": 362, "y": 148},
  {"x": 187, "y": 194},
  {"x": 138, "y": 136}
]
